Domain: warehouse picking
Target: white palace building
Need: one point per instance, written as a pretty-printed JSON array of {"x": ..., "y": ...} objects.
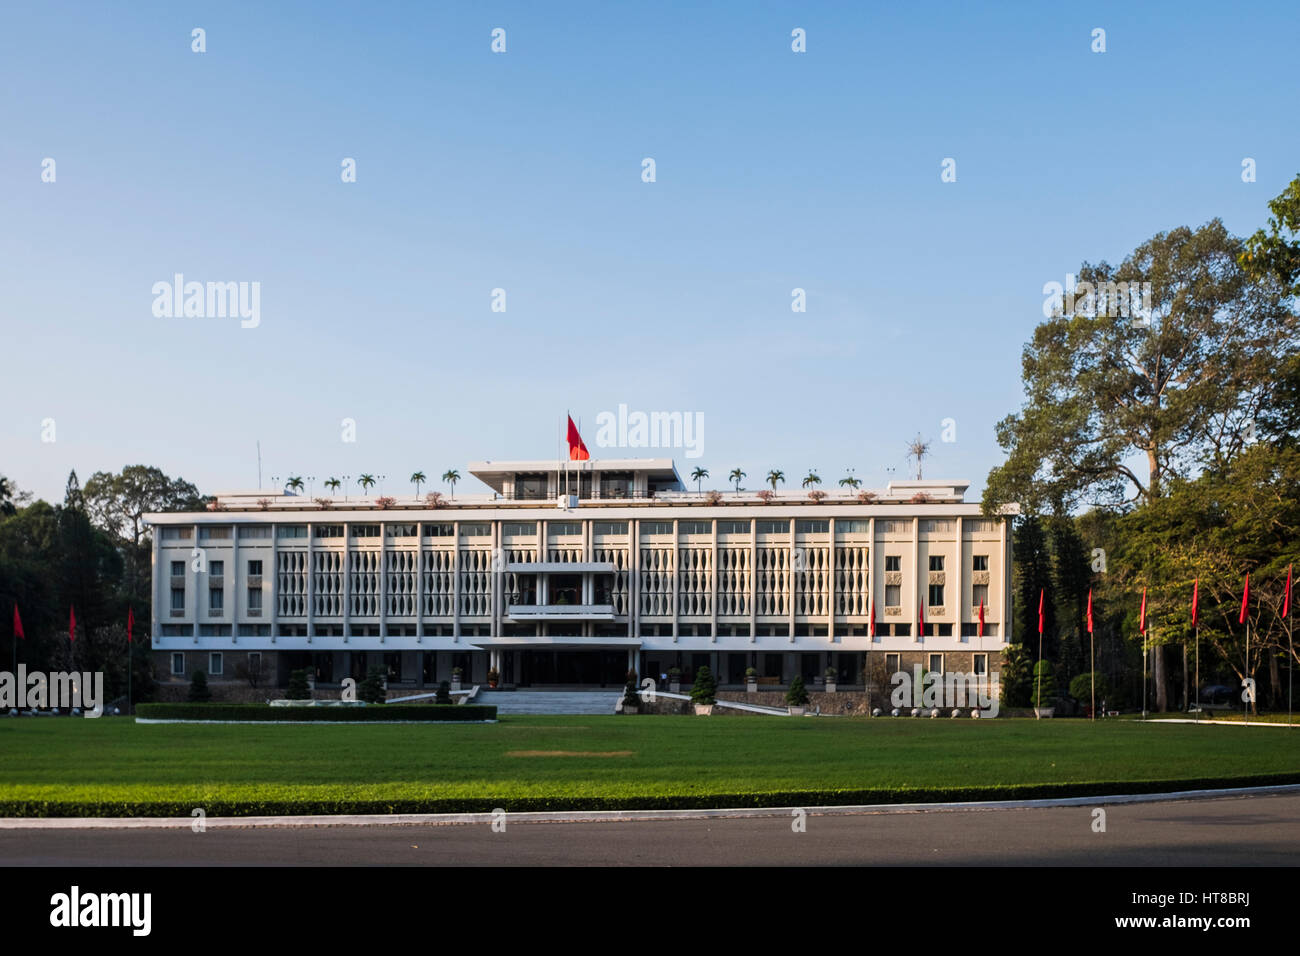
[{"x": 628, "y": 570}]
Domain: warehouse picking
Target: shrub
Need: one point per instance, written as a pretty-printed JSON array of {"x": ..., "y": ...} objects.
[
  {"x": 1046, "y": 691},
  {"x": 766, "y": 496},
  {"x": 298, "y": 688},
  {"x": 1081, "y": 688},
  {"x": 494, "y": 675},
  {"x": 630, "y": 696},
  {"x": 444, "y": 693},
  {"x": 1017, "y": 685},
  {"x": 372, "y": 688},
  {"x": 705, "y": 688},
  {"x": 199, "y": 692},
  {"x": 817, "y": 494},
  {"x": 713, "y": 498},
  {"x": 386, "y": 502},
  {"x": 797, "y": 695},
  {"x": 750, "y": 672}
]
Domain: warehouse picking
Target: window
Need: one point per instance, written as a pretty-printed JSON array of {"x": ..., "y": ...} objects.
[
  {"x": 979, "y": 594},
  {"x": 291, "y": 531},
  {"x": 893, "y": 527},
  {"x": 656, "y": 527},
  {"x": 254, "y": 601},
  {"x": 979, "y": 562},
  {"x": 254, "y": 531},
  {"x": 936, "y": 663},
  {"x": 255, "y": 569},
  {"x": 255, "y": 662},
  {"x": 893, "y": 595},
  {"x": 178, "y": 569},
  {"x": 815, "y": 526},
  {"x": 695, "y": 527},
  {"x": 936, "y": 595},
  {"x": 178, "y": 599},
  {"x": 936, "y": 525},
  {"x": 610, "y": 527},
  {"x": 328, "y": 530},
  {"x": 893, "y": 562},
  {"x": 216, "y": 600},
  {"x": 214, "y": 534},
  {"x": 774, "y": 527},
  {"x": 399, "y": 530},
  {"x": 365, "y": 531},
  {"x": 178, "y": 664},
  {"x": 439, "y": 530},
  {"x": 557, "y": 528},
  {"x": 513, "y": 528},
  {"x": 255, "y": 630},
  {"x": 893, "y": 663},
  {"x": 980, "y": 664},
  {"x": 177, "y": 534},
  {"x": 214, "y": 630},
  {"x": 216, "y": 569},
  {"x": 936, "y": 562},
  {"x": 177, "y": 630},
  {"x": 475, "y": 530},
  {"x": 216, "y": 661},
  {"x": 733, "y": 527},
  {"x": 853, "y": 526}
]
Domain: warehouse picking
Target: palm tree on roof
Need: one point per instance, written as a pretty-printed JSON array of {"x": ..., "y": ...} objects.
[{"x": 697, "y": 476}]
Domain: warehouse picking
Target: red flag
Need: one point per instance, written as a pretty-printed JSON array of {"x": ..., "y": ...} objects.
[
  {"x": 1142, "y": 615},
  {"x": 1245, "y": 601},
  {"x": 920, "y": 618},
  {"x": 871, "y": 620},
  {"x": 1196, "y": 599},
  {"x": 18, "y": 624},
  {"x": 72, "y": 623},
  {"x": 1040, "y": 610},
  {"x": 1089, "y": 610},
  {"x": 981, "y": 628},
  {"x": 1286, "y": 601},
  {"x": 130, "y": 623},
  {"x": 577, "y": 450}
]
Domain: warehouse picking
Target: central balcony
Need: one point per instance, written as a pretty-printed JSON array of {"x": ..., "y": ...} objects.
[{"x": 560, "y": 612}]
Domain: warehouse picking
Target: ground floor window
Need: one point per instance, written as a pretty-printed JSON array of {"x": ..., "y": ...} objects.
[
  {"x": 178, "y": 664},
  {"x": 892, "y": 663},
  {"x": 980, "y": 664},
  {"x": 936, "y": 663},
  {"x": 215, "y": 663}
]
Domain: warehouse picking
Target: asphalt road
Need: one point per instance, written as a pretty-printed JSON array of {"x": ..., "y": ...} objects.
[{"x": 1237, "y": 831}]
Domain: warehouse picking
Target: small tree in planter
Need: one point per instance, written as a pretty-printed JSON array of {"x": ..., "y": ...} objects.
[
  {"x": 675, "y": 680},
  {"x": 298, "y": 689},
  {"x": 372, "y": 688},
  {"x": 494, "y": 677},
  {"x": 444, "y": 693},
  {"x": 751, "y": 680},
  {"x": 455, "y": 678},
  {"x": 704, "y": 692},
  {"x": 796, "y": 697},
  {"x": 631, "y": 701},
  {"x": 832, "y": 677},
  {"x": 199, "y": 692}
]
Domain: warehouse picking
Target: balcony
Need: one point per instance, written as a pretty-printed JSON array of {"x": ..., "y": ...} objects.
[
  {"x": 560, "y": 612},
  {"x": 560, "y": 567}
]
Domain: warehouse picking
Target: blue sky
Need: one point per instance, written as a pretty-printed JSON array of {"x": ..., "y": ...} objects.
[{"x": 522, "y": 171}]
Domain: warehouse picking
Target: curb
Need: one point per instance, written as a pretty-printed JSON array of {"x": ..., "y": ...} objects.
[{"x": 610, "y": 816}]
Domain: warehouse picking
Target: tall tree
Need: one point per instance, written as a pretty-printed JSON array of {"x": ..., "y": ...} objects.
[{"x": 1274, "y": 253}]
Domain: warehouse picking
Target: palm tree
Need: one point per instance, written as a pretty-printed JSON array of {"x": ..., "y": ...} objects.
[
  {"x": 333, "y": 485},
  {"x": 918, "y": 448},
  {"x": 774, "y": 476},
  {"x": 698, "y": 475},
  {"x": 294, "y": 484},
  {"x": 735, "y": 477},
  {"x": 451, "y": 476},
  {"x": 812, "y": 479},
  {"x": 366, "y": 482},
  {"x": 851, "y": 481},
  {"x": 418, "y": 479}
]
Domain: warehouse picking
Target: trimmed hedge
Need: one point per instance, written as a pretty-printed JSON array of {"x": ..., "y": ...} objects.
[
  {"x": 265, "y": 712},
  {"x": 262, "y": 806}
]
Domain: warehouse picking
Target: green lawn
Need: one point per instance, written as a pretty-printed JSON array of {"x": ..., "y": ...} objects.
[{"x": 63, "y": 767}]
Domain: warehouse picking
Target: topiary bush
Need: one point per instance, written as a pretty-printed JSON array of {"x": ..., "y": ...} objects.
[
  {"x": 372, "y": 688},
  {"x": 797, "y": 695},
  {"x": 1081, "y": 688},
  {"x": 444, "y": 694},
  {"x": 199, "y": 692},
  {"x": 298, "y": 687},
  {"x": 705, "y": 688},
  {"x": 630, "y": 696},
  {"x": 1046, "y": 691}
]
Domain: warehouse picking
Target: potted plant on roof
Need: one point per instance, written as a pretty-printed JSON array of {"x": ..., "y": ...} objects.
[
  {"x": 796, "y": 698},
  {"x": 674, "y": 680},
  {"x": 751, "y": 680},
  {"x": 704, "y": 692},
  {"x": 831, "y": 677},
  {"x": 455, "y": 678}
]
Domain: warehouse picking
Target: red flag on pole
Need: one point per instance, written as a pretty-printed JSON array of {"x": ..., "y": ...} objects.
[
  {"x": 1196, "y": 599},
  {"x": 72, "y": 623},
  {"x": 920, "y": 618},
  {"x": 18, "y": 624},
  {"x": 577, "y": 450},
  {"x": 1245, "y": 601},
  {"x": 1286, "y": 601},
  {"x": 130, "y": 623},
  {"x": 981, "y": 627},
  {"x": 871, "y": 618},
  {"x": 1089, "y": 610},
  {"x": 1142, "y": 615},
  {"x": 1040, "y": 611}
]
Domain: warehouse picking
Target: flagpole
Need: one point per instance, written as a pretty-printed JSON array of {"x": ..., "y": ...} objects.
[
  {"x": 1198, "y": 671},
  {"x": 1144, "y": 675},
  {"x": 1092, "y": 654}
]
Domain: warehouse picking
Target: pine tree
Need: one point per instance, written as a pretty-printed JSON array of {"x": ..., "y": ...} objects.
[{"x": 199, "y": 692}]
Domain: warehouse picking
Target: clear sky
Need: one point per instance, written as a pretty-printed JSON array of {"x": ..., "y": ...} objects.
[{"x": 523, "y": 171}]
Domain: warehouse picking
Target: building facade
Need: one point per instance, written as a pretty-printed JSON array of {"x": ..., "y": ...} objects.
[{"x": 574, "y": 575}]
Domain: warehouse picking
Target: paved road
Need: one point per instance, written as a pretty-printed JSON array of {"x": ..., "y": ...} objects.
[{"x": 1237, "y": 831}]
